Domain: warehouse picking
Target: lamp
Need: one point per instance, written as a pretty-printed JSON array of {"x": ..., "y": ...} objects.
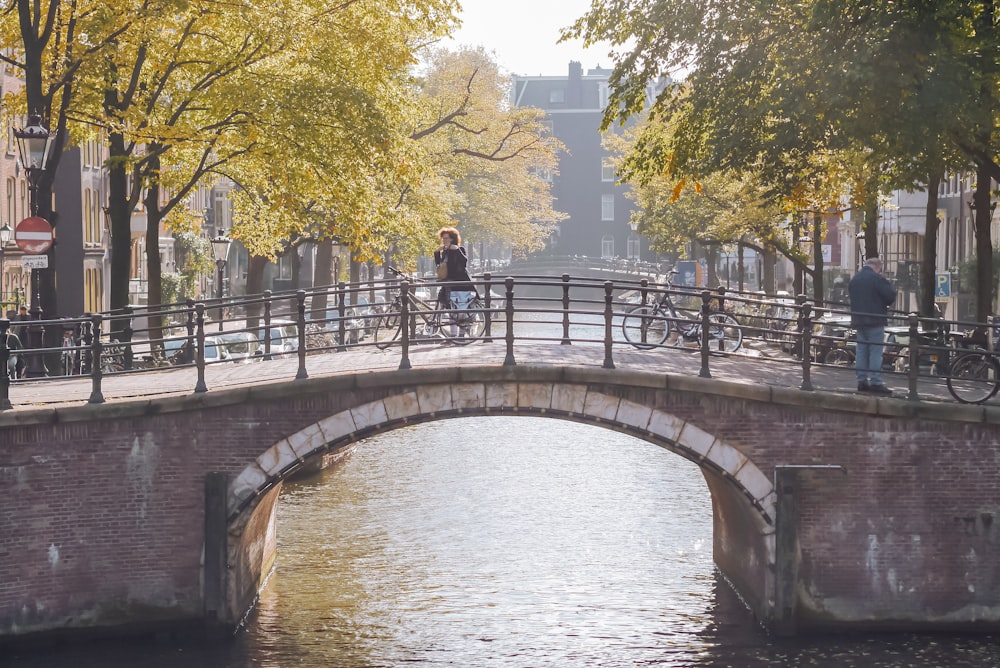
[
  {"x": 34, "y": 145},
  {"x": 220, "y": 249}
]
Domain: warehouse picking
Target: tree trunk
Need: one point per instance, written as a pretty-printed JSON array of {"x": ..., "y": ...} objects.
[
  {"x": 817, "y": 235},
  {"x": 323, "y": 269},
  {"x": 767, "y": 271},
  {"x": 984, "y": 245},
  {"x": 255, "y": 286},
  {"x": 871, "y": 226},
  {"x": 739, "y": 266},
  {"x": 121, "y": 226},
  {"x": 928, "y": 268},
  {"x": 154, "y": 288}
]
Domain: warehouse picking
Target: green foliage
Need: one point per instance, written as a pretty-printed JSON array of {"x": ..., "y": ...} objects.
[{"x": 967, "y": 274}]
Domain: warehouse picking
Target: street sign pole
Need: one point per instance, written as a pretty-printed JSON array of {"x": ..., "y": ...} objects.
[{"x": 33, "y": 235}]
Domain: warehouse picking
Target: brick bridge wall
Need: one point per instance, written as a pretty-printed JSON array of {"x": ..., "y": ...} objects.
[{"x": 829, "y": 510}]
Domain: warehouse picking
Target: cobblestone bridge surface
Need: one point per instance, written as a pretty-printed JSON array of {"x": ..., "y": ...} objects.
[{"x": 148, "y": 385}]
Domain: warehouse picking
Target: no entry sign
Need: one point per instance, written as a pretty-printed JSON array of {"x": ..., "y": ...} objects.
[{"x": 33, "y": 235}]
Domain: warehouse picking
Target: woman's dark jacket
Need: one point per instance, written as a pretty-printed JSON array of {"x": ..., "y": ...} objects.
[
  {"x": 458, "y": 275},
  {"x": 871, "y": 294}
]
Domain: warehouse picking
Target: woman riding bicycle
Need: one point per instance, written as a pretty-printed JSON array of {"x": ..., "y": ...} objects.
[{"x": 459, "y": 291}]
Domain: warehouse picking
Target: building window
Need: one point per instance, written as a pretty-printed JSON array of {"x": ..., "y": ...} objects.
[
  {"x": 632, "y": 247},
  {"x": 11, "y": 208},
  {"x": 607, "y": 207},
  {"x": 88, "y": 221},
  {"x": 557, "y": 96},
  {"x": 602, "y": 94},
  {"x": 607, "y": 171},
  {"x": 607, "y": 247},
  {"x": 92, "y": 289}
]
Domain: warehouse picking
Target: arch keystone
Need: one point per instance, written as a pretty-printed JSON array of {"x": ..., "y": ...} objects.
[
  {"x": 534, "y": 395},
  {"x": 468, "y": 395},
  {"x": 501, "y": 395}
]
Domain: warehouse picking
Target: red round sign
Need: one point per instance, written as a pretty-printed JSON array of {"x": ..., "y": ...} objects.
[{"x": 33, "y": 235}]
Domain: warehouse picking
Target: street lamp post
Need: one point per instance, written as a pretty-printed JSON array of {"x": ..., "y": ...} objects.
[
  {"x": 34, "y": 144},
  {"x": 5, "y": 235},
  {"x": 220, "y": 249}
]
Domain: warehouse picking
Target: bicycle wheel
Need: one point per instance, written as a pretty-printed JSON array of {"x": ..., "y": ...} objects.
[
  {"x": 724, "y": 333},
  {"x": 645, "y": 326},
  {"x": 974, "y": 377},
  {"x": 387, "y": 330},
  {"x": 471, "y": 325},
  {"x": 839, "y": 357}
]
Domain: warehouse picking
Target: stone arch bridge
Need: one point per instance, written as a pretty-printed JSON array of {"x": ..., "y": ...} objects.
[{"x": 831, "y": 510}]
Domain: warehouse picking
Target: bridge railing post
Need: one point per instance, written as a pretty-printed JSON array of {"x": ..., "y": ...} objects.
[
  {"x": 404, "y": 324},
  {"x": 267, "y": 324},
  {"x": 913, "y": 373},
  {"x": 609, "y": 314},
  {"x": 126, "y": 337},
  {"x": 199, "y": 310},
  {"x": 4, "y": 360},
  {"x": 488, "y": 306},
  {"x": 721, "y": 309},
  {"x": 565, "y": 311},
  {"x": 508, "y": 360},
  {"x": 706, "y": 323},
  {"x": 341, "y": 320},
  {"x": 96, "y": 363},
  {"x": 805, "y": 341},
  {"x": 644, "y": 290},
  {"x": 187, "y": 354},
  {"x": 300, "y": 317}
]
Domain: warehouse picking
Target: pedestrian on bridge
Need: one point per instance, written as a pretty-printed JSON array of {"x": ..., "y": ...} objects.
[
  {"x": 870, "y": 294},
  {"x": 459, "y": 292}
]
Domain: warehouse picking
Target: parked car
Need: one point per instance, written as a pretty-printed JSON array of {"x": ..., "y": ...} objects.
[
  {"x": 283, "y": 336},
  {"x": 175, "y": 349},
  {"x": 242, "y": 347}
]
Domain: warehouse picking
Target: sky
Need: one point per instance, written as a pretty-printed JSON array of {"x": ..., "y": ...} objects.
[{"x": 523, "y": 34}]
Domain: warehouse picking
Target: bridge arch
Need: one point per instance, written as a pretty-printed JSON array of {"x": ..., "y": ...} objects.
[{"x": 743, "y": 497}]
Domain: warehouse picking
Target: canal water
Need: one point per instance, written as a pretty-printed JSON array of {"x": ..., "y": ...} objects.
[{"x": 509, "y": 542}]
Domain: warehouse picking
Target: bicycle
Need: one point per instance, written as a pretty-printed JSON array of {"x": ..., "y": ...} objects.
[
  {"x": 469, "y": 323},
  {"x": 974, "y": 376},
  {"x": 70, "y": 354},
  {"x": 652, "y": 325}
]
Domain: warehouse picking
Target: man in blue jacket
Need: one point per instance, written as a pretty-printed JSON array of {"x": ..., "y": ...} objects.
[{"x": 870, "y": 294}]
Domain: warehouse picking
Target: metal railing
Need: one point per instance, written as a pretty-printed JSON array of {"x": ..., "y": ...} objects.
[{"x": 539, "y": 309}]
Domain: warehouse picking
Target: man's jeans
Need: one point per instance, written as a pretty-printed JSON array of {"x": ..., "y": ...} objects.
[{"x": 868, "y": 363}]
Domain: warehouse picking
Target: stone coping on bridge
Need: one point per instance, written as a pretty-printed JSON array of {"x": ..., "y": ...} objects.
[{"x": 360, "y": 376}]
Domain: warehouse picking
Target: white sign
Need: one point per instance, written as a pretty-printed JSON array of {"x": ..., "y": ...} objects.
[{"x": 35, "y": 261}]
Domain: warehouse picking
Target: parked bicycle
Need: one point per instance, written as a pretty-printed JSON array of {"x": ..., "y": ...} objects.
[
  {"x": 456, "y": 325},
  {"x": 974, "y": 376},
  {"x": 652, "y": 325},
  {"x": 70, "y": 358}
]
